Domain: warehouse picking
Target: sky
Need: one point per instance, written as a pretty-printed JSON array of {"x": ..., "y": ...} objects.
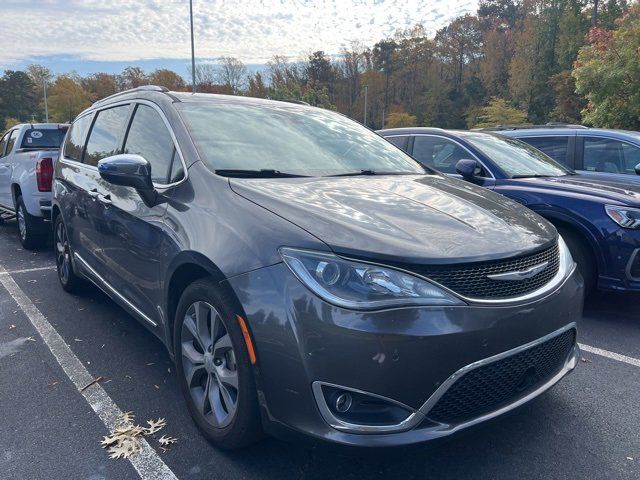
[{"x": 88, "y": 36}]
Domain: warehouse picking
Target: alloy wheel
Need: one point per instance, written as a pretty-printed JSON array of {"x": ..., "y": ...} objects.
[
  {"x": 63, "y": 257},
  {"x": 209, "y": 364}
]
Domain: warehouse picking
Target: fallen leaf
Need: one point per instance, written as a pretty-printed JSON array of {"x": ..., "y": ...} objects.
[
  {"x": 155, "y": 426},
  {"x": 124, "y": 448},
  {"x": 165, "y": 440}
]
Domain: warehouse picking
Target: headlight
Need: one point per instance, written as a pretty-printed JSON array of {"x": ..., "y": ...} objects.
[
  {"x": 566, "y": 260},
  {"x": 626, "y": 217},
  {"x": 361, "y": 286}
]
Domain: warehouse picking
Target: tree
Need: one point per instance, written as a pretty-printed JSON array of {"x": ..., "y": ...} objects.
[
  {"x": 67, "y": 98},
  {"x": 100, "y": 85},
  {"x": 166, "y": 78},
  {"x": 132, "y": 77},
  {"x": 17, "y": 96},
  {"x": 231, "y": 73},
  {"x": 319, "y": 70},
  {"x": 206, "y": 76},
  {"x": 499, "y": 112},
  {"x": 40, "y": 76},
  {"x": 383, "y": 59},
  {"x": 257, "y": 87},
  {"x": 401, "y": 119},
  {"x": 568, "y": 103},
  {"x": 607, "y": 73}
]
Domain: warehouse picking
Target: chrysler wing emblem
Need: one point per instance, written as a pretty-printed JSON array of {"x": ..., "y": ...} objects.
[{"x": 520, "y": 275}]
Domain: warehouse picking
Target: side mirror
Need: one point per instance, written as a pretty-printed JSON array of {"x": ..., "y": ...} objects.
[
  {"x": 129, "y": 170},
  {"x": 637, "y": 169},
  {"x": 468, "y": 168}
]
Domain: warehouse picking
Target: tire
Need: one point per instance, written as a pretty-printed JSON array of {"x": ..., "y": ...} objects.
[
  {"x": 230, "y": 416},
  {"x": 30, "y": 228},
  {"x": 69, "y": 280},
  {"x": 583, "y": 256}
]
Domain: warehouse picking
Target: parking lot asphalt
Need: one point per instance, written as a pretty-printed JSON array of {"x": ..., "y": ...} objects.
[{"x": 586, "y": 427}]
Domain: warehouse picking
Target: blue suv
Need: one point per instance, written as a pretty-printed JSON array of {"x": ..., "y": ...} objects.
[
  {"x": 599, "y": 219},
  {"x": 587, "y": 150}
]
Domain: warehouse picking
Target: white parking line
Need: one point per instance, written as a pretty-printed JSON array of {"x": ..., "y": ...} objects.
[
  {"x": 26, "y": 270},
  {"x": 147, "y": 462},
  {"x": 612, "y": 355}
]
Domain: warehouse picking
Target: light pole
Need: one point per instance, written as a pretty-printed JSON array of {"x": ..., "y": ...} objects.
[
  {"x": 193, "y": 55},
  {"x": 46, "y": 107},
  {"x": 366, "y": 94}
]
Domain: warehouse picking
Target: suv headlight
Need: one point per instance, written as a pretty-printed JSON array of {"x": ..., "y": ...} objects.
[
  {"x": 361, "y": 286},
  {"x": 626, "y": 217}
]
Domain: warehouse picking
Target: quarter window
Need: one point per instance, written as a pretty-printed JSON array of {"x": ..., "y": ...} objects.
[
  {"x": 149, "y": 137},
  {"x": 609, "y": 155},
  {"x": 107, "y": 130},
  {"x": 3, "y": 143},
  {"x": 400, "y": 142},
  {"x": 75, "y": 140},
  {"x": 556, "y": 147},
  {"x": 12, "y": 141},
  {"x": 439, "y": 153}
]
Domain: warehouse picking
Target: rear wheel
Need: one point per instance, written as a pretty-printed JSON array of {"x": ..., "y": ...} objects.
[
  {"x": 214, "y": 371},
  {"x": 68, "y": 278},
  {"x": 581, "y": 253},
  {"x": 30, "y": 228}
]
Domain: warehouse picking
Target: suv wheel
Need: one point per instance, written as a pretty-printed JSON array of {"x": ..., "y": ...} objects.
[
  {"x": 68, "y": 278},
  {"x": 29, "y": 227},
  {"x": 213, "y": 368}
]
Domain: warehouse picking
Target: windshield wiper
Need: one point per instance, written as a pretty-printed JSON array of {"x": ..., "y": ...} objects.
[
  {"x": 533, "y": 175},
  {"x": 368, "y": 171},
  {"x": 262, "y": 173}
]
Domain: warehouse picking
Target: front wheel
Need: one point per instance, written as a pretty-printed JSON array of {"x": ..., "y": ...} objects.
[
  {"x": 581, "y": 253},
  {"x": 30, "y": 228},
  {"x": 213, "y": 367},
  {"x": 68, "y": 278}
]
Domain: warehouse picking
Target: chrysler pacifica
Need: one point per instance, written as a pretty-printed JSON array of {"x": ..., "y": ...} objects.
[{"x": 307, "y": 276}]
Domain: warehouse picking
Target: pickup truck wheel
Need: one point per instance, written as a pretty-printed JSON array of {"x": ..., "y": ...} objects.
[{"x": 29, "y": 227}]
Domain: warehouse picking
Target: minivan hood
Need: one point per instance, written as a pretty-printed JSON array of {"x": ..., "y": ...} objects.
[
  {"x": 597, "y": 186},
  {"x": 404, "y": 219}
]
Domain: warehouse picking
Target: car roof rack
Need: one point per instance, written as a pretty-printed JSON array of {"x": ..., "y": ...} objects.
[
  {"x": 499, "y": 128},
  {"x": 142, "y": 88}
]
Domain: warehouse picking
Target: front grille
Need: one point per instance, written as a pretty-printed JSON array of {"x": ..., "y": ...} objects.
[
  {"x": 470, "y": 280},
  {"x": 492, "y": 386}
]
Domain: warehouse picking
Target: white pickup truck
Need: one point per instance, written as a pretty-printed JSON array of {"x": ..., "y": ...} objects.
[{"x": 27, "y": 156}]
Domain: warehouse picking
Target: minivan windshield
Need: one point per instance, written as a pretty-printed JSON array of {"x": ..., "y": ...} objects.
[
  {"x": 283, "y": 139},
  {"x": 516, "y": 158}
]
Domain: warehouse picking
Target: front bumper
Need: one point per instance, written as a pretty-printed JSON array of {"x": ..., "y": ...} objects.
[{"x": 409, "y": 356}]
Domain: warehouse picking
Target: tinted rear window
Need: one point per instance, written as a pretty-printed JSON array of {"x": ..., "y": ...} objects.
[{"x": 43, "y": 138}]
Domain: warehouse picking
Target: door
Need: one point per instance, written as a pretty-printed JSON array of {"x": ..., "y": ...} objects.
[
  {"x": 442, "y": 154},
  {"x": 610, "y": 155},
  {"x": 5, "y": 173},
  {"x": 86, "y": 219},
  {"x": 135, "y": 235}
]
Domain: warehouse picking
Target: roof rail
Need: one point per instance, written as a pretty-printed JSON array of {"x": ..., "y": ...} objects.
[
  {"x": 499, "y": 128},
  {"x": 293, "y": 100},
  {"x": 142, "y": 88}
]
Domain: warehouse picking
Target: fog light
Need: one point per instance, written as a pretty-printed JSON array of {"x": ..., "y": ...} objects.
[{"x": 343, "y": 402}]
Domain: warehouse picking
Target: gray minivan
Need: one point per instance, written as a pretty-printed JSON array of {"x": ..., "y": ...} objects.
[{"x": 307, "y": 276}]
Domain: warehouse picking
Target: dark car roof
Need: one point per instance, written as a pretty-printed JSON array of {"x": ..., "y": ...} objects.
[{"x": 545, "y": 132}]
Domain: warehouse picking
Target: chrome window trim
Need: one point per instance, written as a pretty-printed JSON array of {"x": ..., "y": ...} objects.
[
  {"x": 415, "y": 418},
  {"x": 102, "y": 284},
  {"x": 161, "y": 186},
  {"x": 475, "y": 157}
]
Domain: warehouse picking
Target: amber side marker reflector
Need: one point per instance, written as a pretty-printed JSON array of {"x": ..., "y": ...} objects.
[{"x": 247, "y": 339}]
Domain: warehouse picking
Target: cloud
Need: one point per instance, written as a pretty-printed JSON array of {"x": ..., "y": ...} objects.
[{"x": 253, "y": 30}]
